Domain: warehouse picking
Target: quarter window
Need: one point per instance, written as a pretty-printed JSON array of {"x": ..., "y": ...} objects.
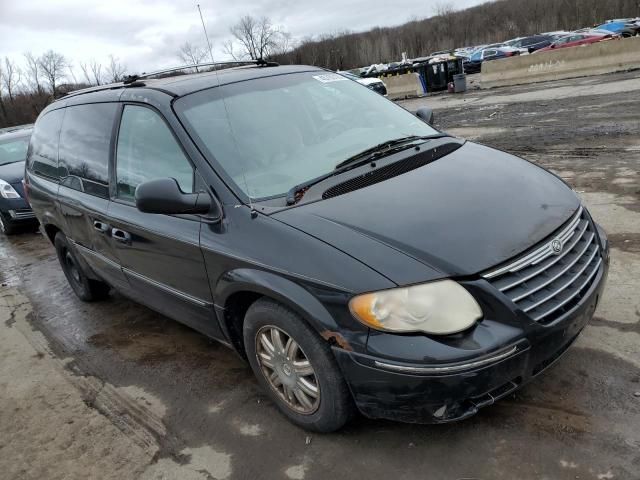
[
  {"x": 84, "y": 148},
  {"x": 43, "y": 150},
  {"x": 148, "y": 150}
]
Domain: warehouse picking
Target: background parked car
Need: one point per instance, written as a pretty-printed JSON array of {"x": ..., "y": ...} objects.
[
  {"x": 15, "y": 211},
  {"x": 532, "y": 43},
  {"x": 474, "y": 64},
  {"x": 374, "y": 84},
  {"x": 575, "y": 40},
  {"x": 624, "y": 27}
]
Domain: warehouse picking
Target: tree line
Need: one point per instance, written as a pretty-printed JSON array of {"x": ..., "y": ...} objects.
[
  {"x": 448, "y": 29},
  {"x": 28, "y": 84}
]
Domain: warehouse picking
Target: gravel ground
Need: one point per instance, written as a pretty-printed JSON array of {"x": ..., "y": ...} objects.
[{"x": 114, "y": 390}]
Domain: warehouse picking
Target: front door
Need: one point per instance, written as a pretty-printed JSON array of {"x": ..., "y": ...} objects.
[{"x": 160, "y": 254}]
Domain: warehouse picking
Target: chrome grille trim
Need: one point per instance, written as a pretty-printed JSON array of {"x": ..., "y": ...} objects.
[
  {"x": 560, "y": 273},
  {"x": 541, "y": 253},
  {"x": 566, "y": 284},
  {"x": 567, "y": 300},
  {"x": 544, "y": 284},
  {"x": 566, "y": 250},
  {"x": 22, "y": 213}
]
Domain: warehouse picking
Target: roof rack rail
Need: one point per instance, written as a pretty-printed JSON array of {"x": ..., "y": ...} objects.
[{"x": 129, "y": 79}]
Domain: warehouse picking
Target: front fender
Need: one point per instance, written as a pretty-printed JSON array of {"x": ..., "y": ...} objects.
[{"x": 325, "y": 309}]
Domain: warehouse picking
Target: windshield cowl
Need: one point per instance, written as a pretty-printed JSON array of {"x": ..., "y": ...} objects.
[{"x": 370, "y": 173}]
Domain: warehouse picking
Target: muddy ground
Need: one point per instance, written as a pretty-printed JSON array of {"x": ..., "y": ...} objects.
[{"x": 114, "y": 390}]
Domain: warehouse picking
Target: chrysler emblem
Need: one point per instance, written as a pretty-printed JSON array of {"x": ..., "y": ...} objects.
[{"x": 556, "y": 246}]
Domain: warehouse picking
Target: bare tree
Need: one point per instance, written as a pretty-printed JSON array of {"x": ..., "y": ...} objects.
[
  {"x": 230, "y": 49},
  {"x": 33, "y": 72},
  {"x": 191, "y": 54},
  {"x": 11, "y": 76},
  {"x": 72, "y": 74},
  {"x": 92, "y": 72},
  {"x": 52, "y": 65},
  {"x": 85, "y": 72},
  {"x": 115, "y": 70},
  {"x": 258, "y": 37}
]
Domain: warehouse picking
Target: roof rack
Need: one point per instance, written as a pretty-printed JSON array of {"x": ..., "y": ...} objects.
[{"x": 129, "y": 79}]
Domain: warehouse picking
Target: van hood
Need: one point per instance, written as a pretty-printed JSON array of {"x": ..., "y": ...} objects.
[{"x": 459, "y": 215}]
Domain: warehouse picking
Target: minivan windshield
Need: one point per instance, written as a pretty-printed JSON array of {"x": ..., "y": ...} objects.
[
  {"x": 14, "y": 150},
  {"x": 270, "y": 134}
]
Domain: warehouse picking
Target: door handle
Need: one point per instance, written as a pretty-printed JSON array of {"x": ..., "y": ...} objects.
[
  {"x": 100, "y": 226},
  {"x": 121, "y": 235}
]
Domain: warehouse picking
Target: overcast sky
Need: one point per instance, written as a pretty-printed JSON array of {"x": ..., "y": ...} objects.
[{"x": 145, "y": 34}]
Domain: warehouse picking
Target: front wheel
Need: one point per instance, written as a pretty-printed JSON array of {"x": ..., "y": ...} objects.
[
  {"x": 6, "y": 227},
  {"x": 296, "y": 367},
  {"x": 86, "y": 289}
]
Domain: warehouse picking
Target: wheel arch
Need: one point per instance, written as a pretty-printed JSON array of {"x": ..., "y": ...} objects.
[{"x": 237, "y": 290}]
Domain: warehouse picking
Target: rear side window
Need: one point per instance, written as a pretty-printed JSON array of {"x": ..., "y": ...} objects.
[
  {"x": 43, "y": 149},
  {"x": 84, "y": 148},
  {"x": 148, "y": 150}
]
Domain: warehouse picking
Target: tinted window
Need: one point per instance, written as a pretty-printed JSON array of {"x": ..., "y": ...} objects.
[
  {"x": 43, "y": 149},
  {"x": 147, "y": 150},
  {"x": 14, "y": 150},
  {"x": 84, "y": 148}
]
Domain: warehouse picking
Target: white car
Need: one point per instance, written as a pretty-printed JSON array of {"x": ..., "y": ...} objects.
[{"x": 373, "y": 83}]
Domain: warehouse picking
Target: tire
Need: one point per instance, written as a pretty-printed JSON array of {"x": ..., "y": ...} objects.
[
  {"x": 333, "y": 406},
  {"x": 6, "y": 227},
  {"x": 86, "y": 289}
]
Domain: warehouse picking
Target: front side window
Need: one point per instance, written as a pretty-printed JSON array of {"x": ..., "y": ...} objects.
[
  {"x": 270, "y": 134},
  {"x": 147, "y": 150},
  {"x": 85, "y": 139},
  {"x": 14, "y": 150},
  {"x": 43, "y": 152}
]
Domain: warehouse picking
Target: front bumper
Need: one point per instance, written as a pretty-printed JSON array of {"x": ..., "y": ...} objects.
[
  {"x": 445, "y": 392},
  {"x": 17, "y": 211}
]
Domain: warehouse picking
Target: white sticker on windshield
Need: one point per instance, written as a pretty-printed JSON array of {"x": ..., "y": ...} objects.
[{"x": 330, "y": 77}]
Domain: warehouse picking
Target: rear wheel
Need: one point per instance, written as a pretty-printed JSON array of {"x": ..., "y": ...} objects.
[
  {"x": 296, "y": 367},
  {"x": 86, "y": 289}
]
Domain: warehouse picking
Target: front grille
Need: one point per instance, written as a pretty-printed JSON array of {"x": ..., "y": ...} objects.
[
  {"x": 548, "y": 281},
  {"x": 22, "y": 213}
]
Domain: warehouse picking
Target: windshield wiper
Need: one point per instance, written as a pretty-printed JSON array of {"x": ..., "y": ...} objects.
[
  {"x": 296, "y": 192},
  {"x": 378, "y": 149}
]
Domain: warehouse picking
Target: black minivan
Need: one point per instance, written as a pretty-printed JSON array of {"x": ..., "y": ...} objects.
[{"x": 358, "y": 258}]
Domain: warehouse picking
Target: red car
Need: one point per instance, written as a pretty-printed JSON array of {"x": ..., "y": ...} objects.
[{"x": 575, "y": 40}]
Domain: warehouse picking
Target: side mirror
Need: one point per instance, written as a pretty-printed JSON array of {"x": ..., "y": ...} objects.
[
  {"x": 163, "y": 195},
  {"x": 425, "y": 114}
]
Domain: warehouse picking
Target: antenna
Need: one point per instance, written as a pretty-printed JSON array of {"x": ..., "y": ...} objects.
[
  {"x": 253, "y": 211},
  {"x": 205, "y": 34}
]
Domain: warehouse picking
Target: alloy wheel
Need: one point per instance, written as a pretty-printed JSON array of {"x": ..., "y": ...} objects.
[
  {"x": 287, "y": 369},
  {"x": 72, "y": 267}
]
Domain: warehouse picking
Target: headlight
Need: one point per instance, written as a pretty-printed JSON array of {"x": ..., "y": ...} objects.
[
  {"x": 7, "y": 191},
  {"x": 437, "y": 308}
]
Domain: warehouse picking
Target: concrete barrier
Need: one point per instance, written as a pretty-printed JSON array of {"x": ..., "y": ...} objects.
[
  {"x": 595, "y": 59},
  {"x": 403, "y": 86}
]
